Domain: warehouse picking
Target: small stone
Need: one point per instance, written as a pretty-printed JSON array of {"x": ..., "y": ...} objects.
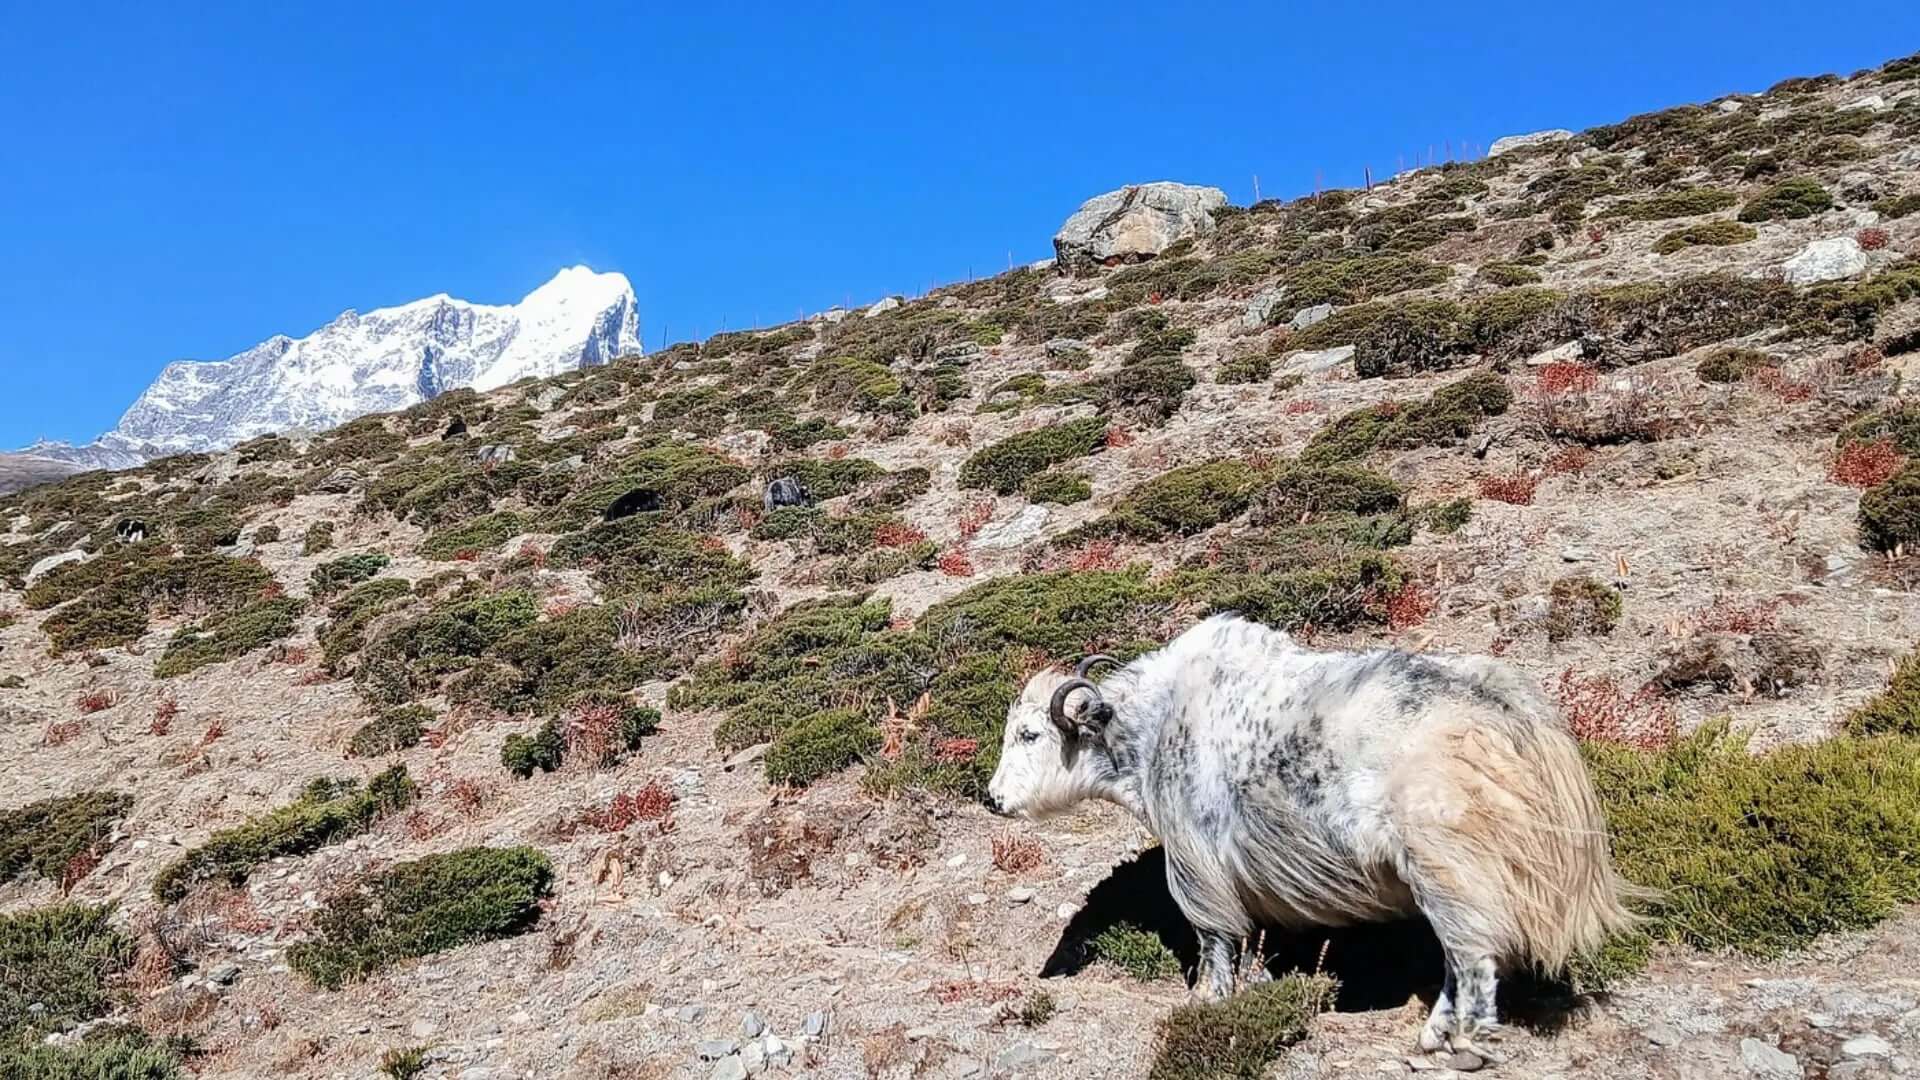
[
  {"x": 1020, "y": 895},
  {"x": 521, "y": 1016},
  {"x": 1319, "y": 360},
  {"x": 715, "y": 1049},
  {"x": 730, "y": 1068},
  {"x": 777, "y": 1051},
  {"x": 1765, "y": 1059},
  {"x": 423, "y": 1029},
  {"x": 751, "y": 1025},
  {"x": 1833, "y": 259},
  {"x": 1066, "y": 910},
  {"x": 754, "y": 1056},
  {"x": 815, "y": 1025},
  {"x": 976, "y": 899},
  {"x": 1867, "y": 1046},
  {"x": 957, "y": 861},
  {"x": 692, "y": 1014},
  {"x": 1022, "y": 1055},
  {"x": 881, "y": 307},
  {"x": 1660, "y": 1033},
  {"x": 1465, "y": 1061},
  {"x": 1576, "y": 555},
  {"x": 224, "y": 974},
  {"x": 1307, "y": 316},
  {"x": 1260, "y": 308}
]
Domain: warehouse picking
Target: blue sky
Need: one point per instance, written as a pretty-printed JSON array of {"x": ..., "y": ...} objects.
[{"x": 183, "y": 185}]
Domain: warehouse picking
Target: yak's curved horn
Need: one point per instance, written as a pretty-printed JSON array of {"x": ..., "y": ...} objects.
[
  {"x": 1086, "y": 664},
  {"x": 1057, "y": 709}
]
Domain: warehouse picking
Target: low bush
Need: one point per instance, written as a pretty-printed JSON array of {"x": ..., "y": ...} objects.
[
  {"x": 1062, "y": 487},
  {"x": 1899, "y": 423},
  {"x": 1507, "y": 274},
  {"x": 1250, "y": 368},
  {"x": 1895, "y": 710},
  {"x": 1181, "y": 501},
  {"x": 1452, "y": 412},
  {"x": 640, "y": 554},
  {"x": 597, "y": 726},
  {"x": 119, "y": 592},
  {"x": 542, "y": 751},
  {"x": 61, "y": 963},
  {"x": 418, "y": 908},
  {"x": 1686, "y": 202},
  {"x": 1005, "y": 465},
  {"x": 266, "y": 534},
  {"x": 1759, "y": 853},
  {"x": 395, "y": 729},
  {"x": 819, "y": 746},
  {"x": 1705, "y": 234},
  {"x": 1798, "y": 197},
  {"x": 109, "y": 1052},
  {"x": 229, "y": 635},
  {"x": 1300, "y": 491},
  {"x": 479, "y": 534},
  {"x": 1139, "y": 953},
  {"x": 1895, "y": 207},
  {"x": 348, "y": 570},
  {"x": 1242, "y": 1035},
  {"x": 1354, "y": 280},
  {"x": 327, "y": 811},
  {"x": 1889, "y": 514},
  {"x": 52, "y": 836},
  {"x": 1732, "y": 365},
  {"x": 1579, "y": 605},
  {"x": 318, "y": 538}
]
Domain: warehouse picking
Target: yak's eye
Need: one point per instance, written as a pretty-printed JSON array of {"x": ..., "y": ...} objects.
[{"x": 1029, "y": 735}]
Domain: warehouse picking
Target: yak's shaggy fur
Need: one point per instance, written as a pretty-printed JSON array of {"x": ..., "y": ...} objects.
[{"x": 1293, "y": 787}]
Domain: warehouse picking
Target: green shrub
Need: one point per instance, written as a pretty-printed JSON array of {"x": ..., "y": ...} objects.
[
  {"x": 1005, "y": 465},
  {"x": 229, "y": 635},
  {"x": 1333, "y": 596},
  {"x": 422, "y": 907},
  {"x": 1899, "y": 423},
  {"x": 1705, "y": 234},
  {"x": 845, "y": 382},
  {"x": 1894, "y": 207},
  {"x": 1687, "y": 202},
  {"x": 1449, "y": 413},
  {"x": 1577, "y": 605},
  {"x": 639, "y": 553},
  {"x": 266, "y": 534},
  {"x": 1851, "y": 310},
  {"x": 820, "y": 746},
  {"x": 350, "y": 616},
  {"x": 395, "y": 729},
  {"x": 1240, "y": 1036},
  {"x": 1447, "y": 517},
  {"x": 47, "y": 836},
  {"x": 1506, "y": 274},
  {"x": 326, "y": 812},
  {"x": 1799, "y": 197},
  {"x": 404, "y": 1064},
  {"x": 1250, "y": 368},
  {"x": 680, "y": 474},
  {"x": 1351, "y": 280},
  {"x": 1139, "y": 953},
  {"x": 319, "y": 538},
  {"x": 1302, "y": 490},
  {"x": 542, "y": 751},
  {"x": 118, "y": 592},
  {"x": 1731, "y": 365},
  {"x": 1062, "y": 487},
  {"x": 1889, "y": 515},
  {"x": 105, "y": 1053},
  {"x": 1895, "y": 710},
  {"x": 1183, "y": 501},
  {"x": 60, "y": 963},
  {"x": 827, "y": 479},
  {"x": 1150, "y": 388},
  {"x": 1759, "y": 853},
  {"x": 480, "y": 534}
]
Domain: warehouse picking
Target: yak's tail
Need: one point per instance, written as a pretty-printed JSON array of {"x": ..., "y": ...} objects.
[{"x": 1503, "y": 831}]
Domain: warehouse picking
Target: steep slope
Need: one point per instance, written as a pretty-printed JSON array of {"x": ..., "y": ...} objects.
[
  {"x": 376, "y": 361},
  {"x": 1630, "y": 408}
]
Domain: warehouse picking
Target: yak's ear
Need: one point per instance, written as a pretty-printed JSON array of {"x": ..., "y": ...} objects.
[{"x": 1093, "y": 719}]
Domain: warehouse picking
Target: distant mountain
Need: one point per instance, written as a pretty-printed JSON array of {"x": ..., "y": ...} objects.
[{"x": 378, "y": 361}]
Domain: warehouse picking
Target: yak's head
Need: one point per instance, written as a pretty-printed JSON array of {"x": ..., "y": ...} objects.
[{"x": 1053, "y": 749}]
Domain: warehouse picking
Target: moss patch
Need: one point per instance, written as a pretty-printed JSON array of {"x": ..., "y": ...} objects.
[
  {"x": 1799, "y": 197},
  {"x": 230, "y": 635},
  {"x": 1452, "y": 412},
  {"x": 1889, "y": 514},
  {"x": 1240, "y": 1036},
  {"x": 60, "y": 964},
  {"x": 1139, "y": 953},
  {"x": 326, "y": 812},
  {"x": 1005, "y": 465},
  {"x": 393, "y": 730},
  {"x": 46, "y": 837},
  {"x": 423, "y": 907},
  {"x": 1705, "y": 234}
]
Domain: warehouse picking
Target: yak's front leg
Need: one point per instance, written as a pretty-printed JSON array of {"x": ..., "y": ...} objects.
[{"x": 1213, "y": 979}]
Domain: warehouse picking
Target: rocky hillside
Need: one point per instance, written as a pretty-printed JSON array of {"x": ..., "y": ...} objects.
[{"x": 627, "y": 723}]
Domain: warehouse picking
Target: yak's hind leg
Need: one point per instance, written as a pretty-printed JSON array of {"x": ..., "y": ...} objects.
[
  {"x": 1213, "y": 980},
  {"x": 1439, "y": 1028}
]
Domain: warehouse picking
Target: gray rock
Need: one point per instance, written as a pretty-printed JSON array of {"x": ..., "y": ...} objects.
[
  {"x": 881, "y": 307},
  {"x": 784, "y": 491},
  {"x": 1765, "y": 1059},
  {"x": 51, "y": 561},
  {"x": 730, "y": 1068},
  {"x": 1867, "y": 1046},
  {"x": 1064, "y": 346},
  {"x": 1260, "y": 308},
  {"x": 815, "y": 1025},
  {"x": 1135, "y": 223},
  {"x": 339, "y": 481},
  {"x": 224, "y": 974},
  {"x": 746, "y": 757},
  {"x": 691, "y": 1014},
  {"x": 1832, "y": 259},
  {"x": 547, "y": 398},
  {"x": 754, "y": 1057},
  {"x": 494, "y": 454},
  {"x": 1871, "y": 103},
  {"x": 1319, "y": 360},
  {"x": 777, "y": 1051},
  {"x": 1021, "y": 1055},
  {"x": 1576, "y": 555},
  {"x": 751, "y": 1025},
  {"x": 959, "y": 352},
  {"x": 715, "y": 1049},
  {"x": 1016, "y": 531},
  {"x": 1731, "y": 105},
  {"x": 1020, "y": 895},
  {"x": 1307, "y": 316},
  {"x": 1508, "y": 143},
  {"x": 1661, "y": 1033},
  {"x": 1908, "y": 158}
]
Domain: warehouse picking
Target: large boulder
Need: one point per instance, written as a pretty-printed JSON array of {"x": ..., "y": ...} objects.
[
  {"x": 1825, "y": 260},
  {"x": 1135, "y": 223},
  {"x": 1508, "y": 143}
]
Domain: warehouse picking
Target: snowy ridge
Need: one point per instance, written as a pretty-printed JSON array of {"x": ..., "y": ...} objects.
[{"x": 376, "y": 361}]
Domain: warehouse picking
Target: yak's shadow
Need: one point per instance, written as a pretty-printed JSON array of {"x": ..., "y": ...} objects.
[{"x": 1379, "y": 966}]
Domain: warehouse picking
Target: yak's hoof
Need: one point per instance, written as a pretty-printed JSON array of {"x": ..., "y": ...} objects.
[{"x": 1432, "y": 1038}]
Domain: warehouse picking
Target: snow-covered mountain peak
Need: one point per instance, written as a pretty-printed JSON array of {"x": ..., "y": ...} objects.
[{"x": 375, "y": 361}]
